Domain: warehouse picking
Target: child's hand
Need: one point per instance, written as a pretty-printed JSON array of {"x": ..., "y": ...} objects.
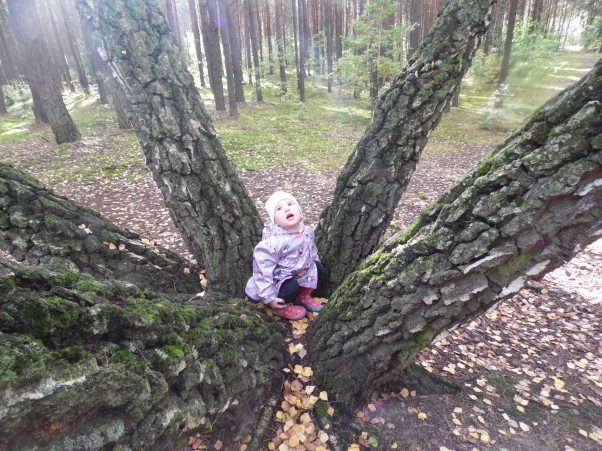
[{"x": 277, "y": 304}]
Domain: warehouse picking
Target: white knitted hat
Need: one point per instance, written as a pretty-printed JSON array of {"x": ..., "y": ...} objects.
[{"x": 270, "y": 205}]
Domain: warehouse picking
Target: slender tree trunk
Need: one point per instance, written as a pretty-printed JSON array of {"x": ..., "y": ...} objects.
[
  {"x": 194, "y": 22},
  {"x": 59, "y": 49},
  {"x": 302, "y": 49},
  {"x": 36, "y": 66},
  {"x": 338, "y": 28},
  {"x": 329, "y": 27},
  {"x": 252, "y": 23},
  {"x": 210, "y": 34},
  {"x": 171, "y": 19},
  {"x": 268, "y": 32},
  {"x": 233, "y": 109},
  {"x": 378, "y": 171},
  {"x": 280, "y": 46},
  {"x": 295, "y": 38},
  {"x": 98, "y": 67},
  {"x": 508, "y": 44},
  {"x": 415, "y": 23},
  {"x": 81, "y": 73},
  {"x": 216, "y": 217},
  {"x": 525, "y": 210},
  {"x": 234, "y": 34},
  {"x": 3, "y": 109}
]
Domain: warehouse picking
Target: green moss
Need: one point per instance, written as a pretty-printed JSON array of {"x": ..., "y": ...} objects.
[
  {"x": 175, "y": 352},
  {"x": 124, "y": 356},
  {"x": 422, "y": 340},
  {"x": 8, "y": 285},
  {"x": 72, "y": 354}
]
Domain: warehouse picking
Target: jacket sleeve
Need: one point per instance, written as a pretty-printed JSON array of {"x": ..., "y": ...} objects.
[{"x": 264, "y": 264}]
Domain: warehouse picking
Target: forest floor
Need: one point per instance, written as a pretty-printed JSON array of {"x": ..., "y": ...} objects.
[{"x": 530, "y": 371}]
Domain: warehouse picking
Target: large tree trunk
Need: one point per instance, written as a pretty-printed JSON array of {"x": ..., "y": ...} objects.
[
  {"x": 196, "y": 33},
  {"x": 379, "y": 170},
  {"x": 48, "y": 102},
  {"x": 42, "y": 227},
  {"x": 207, "y": 201},
  {"x": 102, "y": 365},
  {"x": 213, "y": 54},
  {"x": 527, "y": 208},
  {"x": 225, "y": 35},
  {"x": 234, "y": 34}
]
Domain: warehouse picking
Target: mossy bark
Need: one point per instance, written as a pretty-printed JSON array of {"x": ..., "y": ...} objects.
[
  {"x": 42, "y": 227},
  {"x": 379, "y": 170},
  {"x": 530, "y": 206},
  {"x": 86, "y": 364},
  {"x": 204, "y": 194}
]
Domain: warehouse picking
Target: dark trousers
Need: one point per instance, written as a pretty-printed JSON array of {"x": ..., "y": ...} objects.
[{"x": 290, "y": 287}]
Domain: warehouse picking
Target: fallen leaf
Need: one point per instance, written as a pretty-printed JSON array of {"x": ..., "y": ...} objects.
[
  {"x": 218, "y": 445},
  {"x": 422, "y": 416},
  {"x": 323, "y": 396},
  {"x": 524, "y": 427}
]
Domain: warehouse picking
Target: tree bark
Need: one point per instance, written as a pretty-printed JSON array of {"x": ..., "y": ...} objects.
[
  {"x": 44, "y": 228},
  {"x": 3, "y": 109},
  {"x": 99, "y": 71},
  {"x": 103, "y": 365},
  {"x": 206, "y": 198},
  {"x": 527, "y": 208},
  {"x": 329, "y": 27},
  {"x": 36, "y": 66},
  {"x": 378, "y": 171},
  {"x": 194, "y": 21},
  {"x": 59, "y": 50}
]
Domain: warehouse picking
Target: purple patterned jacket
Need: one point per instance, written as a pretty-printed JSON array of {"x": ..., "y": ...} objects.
[{"x": 282, "y": 255}]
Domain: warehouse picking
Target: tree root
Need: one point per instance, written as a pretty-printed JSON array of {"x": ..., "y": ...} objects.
[{"x": 266, "y": 417}]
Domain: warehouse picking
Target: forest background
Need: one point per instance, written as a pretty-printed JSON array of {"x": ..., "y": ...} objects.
[{"x": 289, "y": 121}]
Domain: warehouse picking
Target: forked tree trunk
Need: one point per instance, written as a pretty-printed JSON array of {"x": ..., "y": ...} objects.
[
  {"x": 48, "y": 102},
  {"x": 525, "y": 210},
  {"x": 208, "y": 202},
  {"x": 104, "y": 365},
  {"x": 379, "y": 170}
]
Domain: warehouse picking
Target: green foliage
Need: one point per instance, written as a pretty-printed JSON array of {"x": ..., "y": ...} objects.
[
  {"x": 591, "y": 38},
  {"x": 534, "y": 52},
  {"x": 371, "y": 48}
]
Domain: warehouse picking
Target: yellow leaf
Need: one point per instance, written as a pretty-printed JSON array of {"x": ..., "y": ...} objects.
[
  {"x": 218, "y": 445},
  {"x": 371, "y": 407},
  {"x": 323, "y": 396},
  {"x": 293, "y": 441},
  {"x": 422, "y": 416},
  {"x": 313, "y": 399},
  {"x": 405, "y": 392},
  {"x": 309, "y": 389},
  {"x": 456, "y": 422},
  {"x": 394, "y": 445},
  {"x": 307, "y": 371},
  {"x": 524, "y": 427},
  {"x": 271, "y": 446},
  {"x": 243, "y": 447},
  {"x": 305, "y": 418},
  {"x": 558, "y": 384},
  {"x": 485, "y": 438},
  {"x": 323, "y": 436},
  {"x": 583, "y": 433},
  {"x": 283, "y": 447},
  {"x": 298, "y": 369}
]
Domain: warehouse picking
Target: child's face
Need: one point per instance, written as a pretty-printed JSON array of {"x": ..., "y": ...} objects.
[{"x": 287, "y": 215}]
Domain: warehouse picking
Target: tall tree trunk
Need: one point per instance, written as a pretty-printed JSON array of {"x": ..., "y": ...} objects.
[
  {"x": 295, "y": 37},
  {"x": 302, "y": 49},
  {"x": 536, "y": 10},
  {"x": 338, "y": 27},
  {"x": 172, "y": 20},
  {"x": 98, "y": 66},
  {"x": 268, "y": 32},
  {"x": 115, "y": 367},
  {"x": 233, "y": 109},
  {"x": 415, "y": 23},
  {"x": 208, "y": 202},
  {"x": 81, "y": 73},
  {"x": 36, "y": 66},
  {"x": 59, "y": 49},
  {"x": 3, "y": 109},
  {"x": 508, "y": 44},
  {"x": 378, "y": 171},
  {"x": 235, "y": 48},
  {"x": 329, "y": 29},
  {"x": 526, "y": 209},
  {"x": 210, "y": 34},
  {"x": 252, "y": 24},
  {"x": 280, "y": 46},
  {"x": 196, "y": 34}
]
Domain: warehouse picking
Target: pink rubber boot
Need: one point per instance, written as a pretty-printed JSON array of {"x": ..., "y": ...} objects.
[{"x": 305, "y": 299}]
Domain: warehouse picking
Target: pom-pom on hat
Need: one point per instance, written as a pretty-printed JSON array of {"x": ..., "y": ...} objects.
[{"x": 270, "y": 205}]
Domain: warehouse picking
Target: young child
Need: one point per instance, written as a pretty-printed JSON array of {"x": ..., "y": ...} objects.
[{"x": 286, "y": 266}]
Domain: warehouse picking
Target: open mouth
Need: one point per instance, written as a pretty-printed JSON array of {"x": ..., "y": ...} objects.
[{"x": 290, "y": 216}]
